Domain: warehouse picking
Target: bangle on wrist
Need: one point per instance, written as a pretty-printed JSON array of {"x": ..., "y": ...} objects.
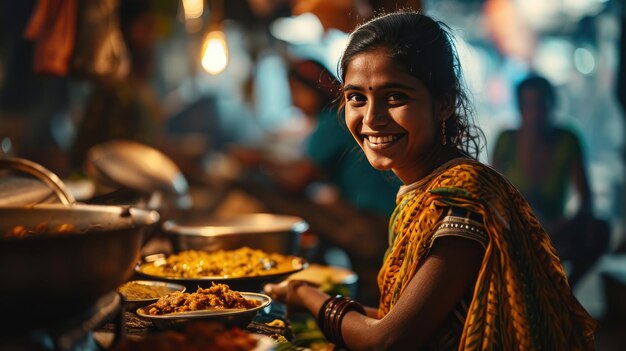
[
  {"x": 321, "y": 313},
  {"x": 331, "y": 315}
]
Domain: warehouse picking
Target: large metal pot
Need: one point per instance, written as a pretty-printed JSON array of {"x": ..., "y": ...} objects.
[
  {"x": 48, "y": 278},
  {"x": 264, "y": 231}
]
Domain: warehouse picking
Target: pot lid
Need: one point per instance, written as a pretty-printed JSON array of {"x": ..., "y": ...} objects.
[{"x": 136, "y": 166}]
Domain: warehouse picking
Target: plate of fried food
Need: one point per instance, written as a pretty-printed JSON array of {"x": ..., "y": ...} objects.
[
  {"x": 216, "y": 303},
  {"x": 243, "y": 269}
]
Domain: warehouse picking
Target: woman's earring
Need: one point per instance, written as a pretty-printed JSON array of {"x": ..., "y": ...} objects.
[{"x": 444, "y": 140}]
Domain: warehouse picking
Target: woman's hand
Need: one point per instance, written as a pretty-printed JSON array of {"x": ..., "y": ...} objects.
[{"x": 287, "y": 293}]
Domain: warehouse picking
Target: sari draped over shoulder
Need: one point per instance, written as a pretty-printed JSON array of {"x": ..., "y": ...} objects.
[{"x": 521, "y": 300}]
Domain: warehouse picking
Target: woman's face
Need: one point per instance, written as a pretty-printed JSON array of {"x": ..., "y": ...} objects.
[{"x": 391, "y": 114}]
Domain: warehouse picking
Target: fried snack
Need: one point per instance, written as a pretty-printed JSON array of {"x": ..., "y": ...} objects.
[
  {"x": 138, "y": 291},
  {"x": 218, "y": 297},
  {"x": 243, "y": 262}
]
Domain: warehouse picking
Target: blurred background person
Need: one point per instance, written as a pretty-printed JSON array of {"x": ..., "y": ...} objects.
[{"x": 542, "y": 160}]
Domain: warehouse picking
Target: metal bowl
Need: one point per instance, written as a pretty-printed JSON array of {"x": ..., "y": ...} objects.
[
  {"x": 263, "y": 231},
  {"x": 134, "y": 304},
  {"x": 240, "y": 318}
]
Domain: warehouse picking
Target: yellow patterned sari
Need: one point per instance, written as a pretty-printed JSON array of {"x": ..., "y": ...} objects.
[{"x": 521, "y": 300}]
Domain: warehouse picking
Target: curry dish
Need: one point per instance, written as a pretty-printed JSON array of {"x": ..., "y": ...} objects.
[
  {"x": 217, "y": 297},
  {"x": 243, "y": 262}
]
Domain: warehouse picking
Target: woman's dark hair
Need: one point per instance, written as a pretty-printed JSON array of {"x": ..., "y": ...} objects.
[
  {"x": 540, "y": 84},
  {"x": 425, "y": 47}
]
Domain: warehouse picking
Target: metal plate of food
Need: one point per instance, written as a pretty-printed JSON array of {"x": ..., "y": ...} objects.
[
  {"x": 243, "y": 269},
  {"x": 139, "y": 293},
  {"x": 239, "y": 315}
]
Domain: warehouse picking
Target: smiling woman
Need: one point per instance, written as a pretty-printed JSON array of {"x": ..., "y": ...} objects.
[
  {"x": 395, "y": 120},
  {"x": 469, "y": 266}
]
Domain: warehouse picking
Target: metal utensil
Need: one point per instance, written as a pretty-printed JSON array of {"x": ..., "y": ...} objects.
[{"x": 264, "y": 231}]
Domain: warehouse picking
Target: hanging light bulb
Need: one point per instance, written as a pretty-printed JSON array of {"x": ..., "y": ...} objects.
[
  {"x": 215, "y": 52},
  {"x": 214, "y": 49},
  {"x": 193, "y": 8}
]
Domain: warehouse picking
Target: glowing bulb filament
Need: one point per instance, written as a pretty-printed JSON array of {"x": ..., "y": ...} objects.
[{"x": 215, "y": 52}]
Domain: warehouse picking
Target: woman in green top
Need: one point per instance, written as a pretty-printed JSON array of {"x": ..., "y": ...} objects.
[{"x": 542, "y": 160}]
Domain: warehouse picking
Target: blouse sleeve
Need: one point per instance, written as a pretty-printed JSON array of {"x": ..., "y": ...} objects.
[{"x": 461, "y": 223}]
